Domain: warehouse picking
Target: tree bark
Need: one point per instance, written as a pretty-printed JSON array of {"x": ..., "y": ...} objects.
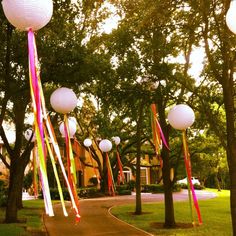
[
  {"x": 231, "y": 145},
  {"x": 138, "y": 207},
  {"x": 169, "y": 204},
  {"x": 168, "y": 197},
  {"x": 15, "y": 187}
]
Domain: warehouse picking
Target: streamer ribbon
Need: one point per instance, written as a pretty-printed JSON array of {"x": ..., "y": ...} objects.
[
  {"x": 110, "y": 179},
  {"x": 38, "y": 119},
  {"x": 157, "y": 133},
  {"x": 187, "y": 162},
  {"x": 71, "y": 169},
  {"x": 40, "y": 113},
  {"x": 121, "y": 176}
]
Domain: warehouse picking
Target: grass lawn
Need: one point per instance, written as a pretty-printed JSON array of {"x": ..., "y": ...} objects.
[
  {"x": 30, "y": 216},
  {"x": 215, "y": 215}
]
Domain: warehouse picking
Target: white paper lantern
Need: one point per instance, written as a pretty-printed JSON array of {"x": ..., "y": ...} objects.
[
  {"x": 87, "y": 142},
  {"x": 116, "y": 140},
  {"x": 181, "y": 117},
  {"x": 105, "y": 145},
  {"x": 28, "y": 133},
  {"x": 26, "y": 14},
  {"x": 231, "y": 17},
  {"x": 71, "y": 126},
  {"x": 63, "y": 100},
  {"x": 73, "y": 119}
]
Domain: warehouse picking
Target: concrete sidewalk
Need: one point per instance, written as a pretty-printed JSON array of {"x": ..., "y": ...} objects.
[{"x": 96, "y": 220}]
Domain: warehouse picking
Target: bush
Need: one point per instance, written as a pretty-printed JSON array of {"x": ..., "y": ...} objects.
[
  {"x": 123, "y": 189},
  {"x": 153, "y": 188},
  {"x": 159, "y": 188},
  {"x": 82, "y": 193},
  {"x": 196, "y": 186},
  {"x": 131, "y": 185},
  {"x": 124, "y": 192}
]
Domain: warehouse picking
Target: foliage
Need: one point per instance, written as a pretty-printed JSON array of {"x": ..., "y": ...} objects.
[
  {"x": 90, "y": 192},
  {"x": 158, "y": 188},
  {"x": 196, "y": 186},
  {"x": 28, "y": 180}
]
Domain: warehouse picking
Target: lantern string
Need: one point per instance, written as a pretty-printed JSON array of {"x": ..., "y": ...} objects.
[
  {"x": 35, "y": 95},
  {"x": 189, "y": 176}
]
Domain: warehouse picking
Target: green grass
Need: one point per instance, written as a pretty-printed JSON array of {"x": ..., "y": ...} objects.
[
  {"x": 215, "y": 215},
  {"x": 31, "y": 213}
]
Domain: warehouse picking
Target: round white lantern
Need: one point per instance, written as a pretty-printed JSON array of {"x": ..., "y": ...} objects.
[
  {"x": 28, "y": 133},
  {"x": 105, "y": 145},
  {"x": 231, "y": 17},
  {"x": 71, "y": 127},
  {"x": 73, "y": 119},
  {"x": 63, "y": 100},
  {"x": 116, "y": 140},
  {"x": 87, "y": 142},
  {"x": 181, "y": 117},
  {"x": 26, "y": 14}
]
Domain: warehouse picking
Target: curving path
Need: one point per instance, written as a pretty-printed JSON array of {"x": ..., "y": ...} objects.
[{"x": 96, "y": 220}]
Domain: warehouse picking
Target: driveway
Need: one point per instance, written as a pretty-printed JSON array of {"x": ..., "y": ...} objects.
[{"x": 96, "y": 219}]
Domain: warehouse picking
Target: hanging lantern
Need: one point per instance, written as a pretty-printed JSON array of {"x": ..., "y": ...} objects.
[
  {"x": 231, "y": 17},
  {"x": 105, "y": 145},
  {"x": 116, "y": 140},
  {"x": 28, "y": 14},
  {"x": 87, "y": 142},
  {"x": 28, "y": 133},
  {"x": 63, "y": 100},
  {"x": 71, "y": 126},
  {"x": 181, "y": 117}
]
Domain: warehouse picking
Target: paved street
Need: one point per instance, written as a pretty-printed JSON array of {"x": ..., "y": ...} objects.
[{"x": 96, "y": 219}]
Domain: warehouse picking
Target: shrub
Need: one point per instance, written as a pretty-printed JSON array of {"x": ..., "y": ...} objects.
[
  {"x": 196, "y": 186},
  {"x": 159, "y": 188},
  {"x": 123, "y": 189},
  {"x": 153, "y": 188},
  {"x": 124, "y": 192},
  {"x": 131, "y": 185}
]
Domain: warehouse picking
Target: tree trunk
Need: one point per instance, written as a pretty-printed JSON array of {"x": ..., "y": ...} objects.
[
  {"x": 169, "y": 203},
  {"x": 231, "y": 147},
  {"x": 138, "y": 208},
  {"x": 15, "y": 187}
]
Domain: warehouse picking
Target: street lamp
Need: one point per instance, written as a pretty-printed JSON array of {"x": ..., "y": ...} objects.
[
  {"x": 231, "y": 16},
  {"x": 182, "y": 117}
]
